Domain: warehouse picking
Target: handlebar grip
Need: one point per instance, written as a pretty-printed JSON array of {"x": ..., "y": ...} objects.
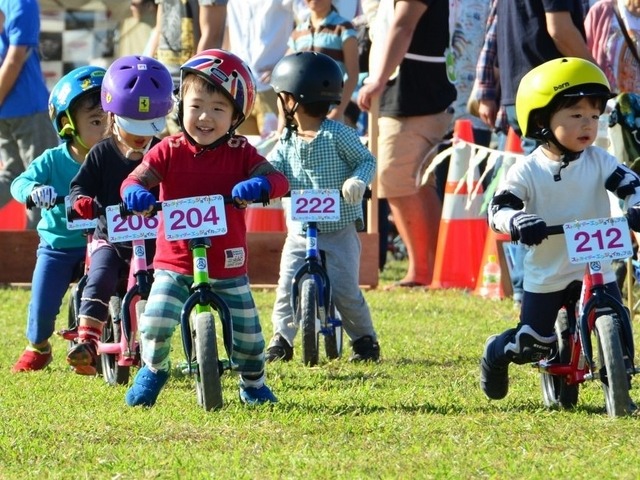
[
  {"x": 555, "y": 229},
  {"x": 30, "y": 205}
]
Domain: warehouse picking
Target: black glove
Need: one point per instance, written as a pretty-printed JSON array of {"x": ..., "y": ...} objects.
[
  {"x": 633, "y": 217},
  {"x": 528, "y": 228}
]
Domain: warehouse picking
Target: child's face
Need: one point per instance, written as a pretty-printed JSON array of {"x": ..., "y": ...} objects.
[
  {"x": 91, "y": 124},
  {"x": 206, "y": 116},
  {"x": 576, "y": 127}
]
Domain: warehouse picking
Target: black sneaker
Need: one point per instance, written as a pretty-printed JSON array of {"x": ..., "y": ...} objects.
[
  {"x": 279, "y": 350},
  {"x": 494, "y": 381},
  {"x": 365, "y": 349}
]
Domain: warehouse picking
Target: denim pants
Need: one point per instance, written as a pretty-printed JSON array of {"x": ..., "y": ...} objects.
[{"x": 54, "y": 271}]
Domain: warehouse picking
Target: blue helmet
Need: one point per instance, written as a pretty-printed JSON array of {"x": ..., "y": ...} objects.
[{"x": 69, "y": 88}]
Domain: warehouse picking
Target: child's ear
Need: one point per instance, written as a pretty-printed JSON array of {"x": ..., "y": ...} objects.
[{"x": 67, "y": 128}]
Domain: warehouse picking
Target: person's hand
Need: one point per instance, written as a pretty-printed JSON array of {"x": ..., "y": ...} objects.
[
  {"x": 488, "y": 112},
  {"x": 368, "y": 92},
  {"x": 44, "y": 196},
  {"x": 138, "y": 199},
  {"x": 528, "y": 228},
  {"x": 85, "y": 207},
  {"x": 352, "y": 190},
  {"x": 251, "y": 190},
  {"x": 633, "y": 217}
]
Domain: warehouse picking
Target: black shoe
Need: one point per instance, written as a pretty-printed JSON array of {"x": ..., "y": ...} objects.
[
  {"x": 365, "y": 349},
  {"x": 279, "y": 350},
  {"x": 494, "y": 381},
  {"x": 83, "y": 357}
]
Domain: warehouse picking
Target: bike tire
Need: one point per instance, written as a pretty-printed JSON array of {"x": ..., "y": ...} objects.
[
  {"x": 113, "y": 373},
  {"x": 613, "y": 372},
  {"x": 208, "y": 384},
  {"x": 308, "y": 312},
  {"x": 333, "y": 341},
  {"x": 556, "y": 392}
]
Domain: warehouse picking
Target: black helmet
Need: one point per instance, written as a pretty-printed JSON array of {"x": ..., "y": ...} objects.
[{"x": 308, "y": 76}]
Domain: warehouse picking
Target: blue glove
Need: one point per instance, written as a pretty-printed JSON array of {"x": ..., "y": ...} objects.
[
  {"x": 528, "y": 228},
  {"x": 252, "y": 189},
  {"x": 138, "y": 199},
  {"x": 633, "y": 217}
]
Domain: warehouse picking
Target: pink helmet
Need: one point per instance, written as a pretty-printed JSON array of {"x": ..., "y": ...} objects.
[{"x": 225, "y": 70}]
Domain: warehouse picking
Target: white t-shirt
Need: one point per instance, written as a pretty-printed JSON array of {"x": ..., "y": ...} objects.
[
  {"x": 258, "y": 34},
  {"x": 579, "y": 195}
]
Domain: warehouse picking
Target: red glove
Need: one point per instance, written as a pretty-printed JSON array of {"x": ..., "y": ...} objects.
[{"x": 85, "y": 208}]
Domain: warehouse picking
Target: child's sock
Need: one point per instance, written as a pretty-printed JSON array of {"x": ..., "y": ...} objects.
[
  {"x": 89, "y": 334},
  {"x": 43, "y": 349}
]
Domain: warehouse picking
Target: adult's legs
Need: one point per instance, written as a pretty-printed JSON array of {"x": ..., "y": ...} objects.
[{"x": 417, "y": 218}]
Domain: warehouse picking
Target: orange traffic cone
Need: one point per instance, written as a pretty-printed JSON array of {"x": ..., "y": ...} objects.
[
  {"x": 269, "y": 218},
  {"x": 462, "y": 232},
  {"x": 514, "y": 142}
]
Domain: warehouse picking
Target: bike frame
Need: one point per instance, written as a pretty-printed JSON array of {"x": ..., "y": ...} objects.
[
  {"x": 594, "y": 302},
  {"x": 313, "y": 267}
]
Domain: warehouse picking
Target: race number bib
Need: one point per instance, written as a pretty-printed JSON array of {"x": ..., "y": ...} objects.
[
  {"x": 598, "y": 239},
  {"x": 315, "y": 205},
  {"x": 131, "y": 227},
  {"x": 194, "y": 217}
]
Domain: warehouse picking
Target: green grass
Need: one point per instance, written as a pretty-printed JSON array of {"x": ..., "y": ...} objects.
[{"x": 417, "y": 414}]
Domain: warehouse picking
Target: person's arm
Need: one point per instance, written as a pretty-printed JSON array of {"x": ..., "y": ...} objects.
[
  {"x": 486, "y": 81},
  {"x": 350, "y": 51},
  {"x": 406, "y": 15},
  {"x": 154, "y": 39},
  {"x": 212, "y": 22},
  {"x": 11, "y": 66},
  {"x": 566, "y": 36}
]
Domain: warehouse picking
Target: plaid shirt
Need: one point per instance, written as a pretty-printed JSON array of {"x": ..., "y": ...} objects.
[
  {"x": 335, "y": 155},
  {"x": 487, "y": 82}
]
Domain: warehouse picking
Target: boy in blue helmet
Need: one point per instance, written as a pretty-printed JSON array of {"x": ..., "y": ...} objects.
[{"x": 77, "y": 116}]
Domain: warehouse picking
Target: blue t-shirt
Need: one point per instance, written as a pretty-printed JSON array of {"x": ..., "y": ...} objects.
[
  {"x": 29, "y": 94},
  {"x": 56, "y": 168}
]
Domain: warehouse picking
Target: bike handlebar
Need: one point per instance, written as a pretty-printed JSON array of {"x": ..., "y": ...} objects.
[
  {"x": 31, "y": 205},
  {"x": 367, "y": 194}
]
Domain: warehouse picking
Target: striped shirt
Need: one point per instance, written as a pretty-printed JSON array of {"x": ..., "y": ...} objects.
[{"x": 329, "y": 37}]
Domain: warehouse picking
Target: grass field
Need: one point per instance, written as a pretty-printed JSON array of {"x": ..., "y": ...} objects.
[{"x": 417, "y": 414}]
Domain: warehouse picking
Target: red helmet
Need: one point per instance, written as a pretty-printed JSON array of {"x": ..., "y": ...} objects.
[{"x": 225, "y": 70}]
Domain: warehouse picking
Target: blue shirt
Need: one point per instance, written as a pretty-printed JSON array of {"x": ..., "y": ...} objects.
[
  {"x": 55, "y": 167},
  {"x": 335, "y": 155},
  {"x": 29, "y": 94}
]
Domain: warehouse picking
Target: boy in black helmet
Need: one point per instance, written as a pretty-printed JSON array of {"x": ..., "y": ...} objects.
[{"x": 317, "y": 153}]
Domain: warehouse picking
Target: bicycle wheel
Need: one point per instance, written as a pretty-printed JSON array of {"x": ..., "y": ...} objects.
[
  {"x": 113, "y": 373},
  {"x": 308, "y": 312},
  {"x": 208, "y": 385},
  {"x": 556, "y": 392},
  {"x": 612, "y": 369},
  {"x": 333, "y": 339}
]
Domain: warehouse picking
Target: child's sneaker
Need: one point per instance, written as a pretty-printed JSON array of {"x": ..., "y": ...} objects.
[
  {"x": 256, "y": 396},
  {"x": 146, "y": 387},
  {"x": 83, "y": 357},
  {"x": 365, "y": 349},
  {"x": 494, "y": 380},
  {"x": 32, "y": 360},
  {"x": 279, "y": 350}
]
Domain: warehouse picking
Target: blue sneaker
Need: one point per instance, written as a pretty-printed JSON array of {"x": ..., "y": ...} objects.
[
  {"x": 146, "y": 387},
  {"x": 257, "y": 396}
]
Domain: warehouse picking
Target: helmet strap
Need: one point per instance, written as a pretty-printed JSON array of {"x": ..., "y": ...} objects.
[
  {"x": 131, "y": 150},
  {"x": 70, "y": 129},
  {"x": 567, "y": 155},
  {"x": 289, "y": 117}
]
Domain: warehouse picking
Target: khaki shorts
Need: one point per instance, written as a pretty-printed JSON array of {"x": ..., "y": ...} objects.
[
  {"x": 266, "y": 102},
  {"x": 403, "y": 144}
]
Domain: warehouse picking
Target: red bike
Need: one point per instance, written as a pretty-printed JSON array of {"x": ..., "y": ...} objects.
[{"x": 593, "y": 318}]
